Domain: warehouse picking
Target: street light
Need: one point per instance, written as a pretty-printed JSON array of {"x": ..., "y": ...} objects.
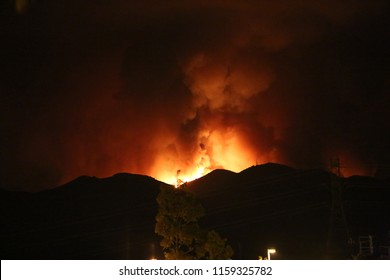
[{"x": 269, "y": 252}]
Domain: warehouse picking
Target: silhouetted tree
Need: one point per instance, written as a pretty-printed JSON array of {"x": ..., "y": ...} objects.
[
  {"x": 177, "y": 223},
  {"x": 215, "y": 247}
]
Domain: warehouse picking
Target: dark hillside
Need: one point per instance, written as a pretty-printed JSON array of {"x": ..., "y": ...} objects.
[{"x": 263, "y": 206}]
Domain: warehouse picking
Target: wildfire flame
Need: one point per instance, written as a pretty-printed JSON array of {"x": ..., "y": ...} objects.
[
  {"x": 214, "y": 131},
  {"x": 197, "y": 173},
  {"x": 223, "y": 150}
]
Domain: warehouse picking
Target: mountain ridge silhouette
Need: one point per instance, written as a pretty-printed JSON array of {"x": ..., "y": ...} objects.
[{"x": 262, "y": 206}]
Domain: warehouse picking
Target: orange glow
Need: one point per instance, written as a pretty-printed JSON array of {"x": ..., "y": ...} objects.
[
  {"x": 350, "y": 165},
  {"x": 222, "y": 88},
  {"x": 223, "y": 149},
  {"x": 196, "y": 173}
]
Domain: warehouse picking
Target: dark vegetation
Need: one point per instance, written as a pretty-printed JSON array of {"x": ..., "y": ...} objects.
[{"x": 264, "y": 206}]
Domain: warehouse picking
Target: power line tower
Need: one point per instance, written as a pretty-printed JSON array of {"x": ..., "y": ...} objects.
[{"x": 338, "y": 235}]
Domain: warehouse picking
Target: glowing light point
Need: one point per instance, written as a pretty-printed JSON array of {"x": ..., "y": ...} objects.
[{"x": 269, "y": 252}]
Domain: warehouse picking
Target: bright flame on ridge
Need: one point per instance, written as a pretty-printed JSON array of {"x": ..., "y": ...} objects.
[{"x": 220, "y": 149}]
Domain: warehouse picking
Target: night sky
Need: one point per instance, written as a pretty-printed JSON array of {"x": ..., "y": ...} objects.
[{"x": 101, "y": 87}]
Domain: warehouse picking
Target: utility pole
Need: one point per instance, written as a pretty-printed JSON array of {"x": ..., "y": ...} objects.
[{"x": 338, "y": 235}]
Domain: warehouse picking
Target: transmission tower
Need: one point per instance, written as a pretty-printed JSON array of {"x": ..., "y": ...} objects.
[{"x": 338, "y": 235}]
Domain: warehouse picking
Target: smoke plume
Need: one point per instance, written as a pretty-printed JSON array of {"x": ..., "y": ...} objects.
[{"x": 177, "y": 90}]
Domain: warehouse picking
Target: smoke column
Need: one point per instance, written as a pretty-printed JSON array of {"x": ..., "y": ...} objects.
[{"x": 180, "y": 89}]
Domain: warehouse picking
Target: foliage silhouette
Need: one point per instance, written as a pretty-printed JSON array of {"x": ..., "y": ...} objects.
[{"x": 177, "y": 222}]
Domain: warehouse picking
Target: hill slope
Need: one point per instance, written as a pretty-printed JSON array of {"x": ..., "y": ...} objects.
[{"x": 262, "y": 206}]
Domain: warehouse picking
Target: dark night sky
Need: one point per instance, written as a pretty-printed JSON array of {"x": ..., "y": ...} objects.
[{"x": 100, "y": 87}]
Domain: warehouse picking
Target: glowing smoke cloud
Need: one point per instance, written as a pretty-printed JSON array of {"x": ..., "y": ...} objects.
[{"x": 190, "y": 86}]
